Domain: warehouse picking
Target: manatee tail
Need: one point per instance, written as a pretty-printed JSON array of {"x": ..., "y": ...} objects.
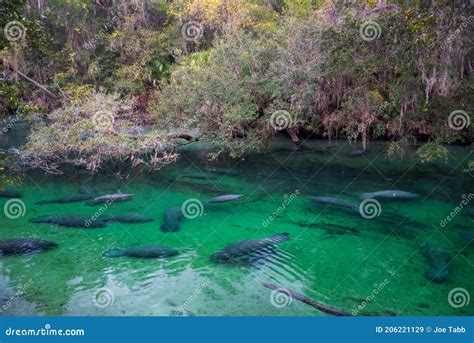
[
  {"x": 41, "y": 219},
  {"x": 107, "y": 218},
  {"x": 437, "y": 275},
  {"x": 44, "y": 202},
  {"x": 356, "y": 208},
  {"x": 85, "y": 189},
  {"x": 281, "y": 237},
  {"x": 115, "y": 252}
]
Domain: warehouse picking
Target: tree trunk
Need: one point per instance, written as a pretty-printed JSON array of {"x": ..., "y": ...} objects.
[
  {"x": 364, "y": 139},
  {"x": 23, "y": 76}
]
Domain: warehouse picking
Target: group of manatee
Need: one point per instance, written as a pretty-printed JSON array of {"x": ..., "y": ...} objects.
[
  {"x": 245, "y": 251},
  {"x": 172, "y": 218},
  {"x": 386, "y": 194},
  {"x": 174, "y": 215}
]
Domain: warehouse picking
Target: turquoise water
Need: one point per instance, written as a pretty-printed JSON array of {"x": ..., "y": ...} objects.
[{"x": 333, "y": 256}]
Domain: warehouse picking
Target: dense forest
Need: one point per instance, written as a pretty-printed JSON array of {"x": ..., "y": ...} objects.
[{"x": 105, "y": 81}]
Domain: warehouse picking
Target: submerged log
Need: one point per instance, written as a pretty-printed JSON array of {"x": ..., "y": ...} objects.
[{"x": 308, "y": 301}]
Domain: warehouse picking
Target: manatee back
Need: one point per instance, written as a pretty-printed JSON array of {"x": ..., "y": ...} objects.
[{"x": 115, "y": 252}]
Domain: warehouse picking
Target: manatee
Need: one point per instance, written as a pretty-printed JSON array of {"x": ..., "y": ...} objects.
[
  {"x": 10, "y": 193},
  {"x": 86, "y": 189},
  {"x": 469, "y": 212},
  {"x": 147, "y": 251},
  {"x": 200, "y": 176},
  {"x": 389, "y": 194},
  {"x": 243, "y": 250},
  {"x": 127, "y": 218},
  {"x": 64, "y": 200},
  {"x": 439, "y": 260},
  {"x": 223, "y": 171},
  {"x": 466, "y": 235},
  {"x": 109, "y": 198},
  {"x": 70, "y": 220},
  {"x": 332, "y": 229},
  {"x": 357, "y": 152},
  {"x": 171, "y": 219},
  {"x": 334, "y": 201},
  {"x": 227, "y": 197},
  {"x": 23, "y": 246}
]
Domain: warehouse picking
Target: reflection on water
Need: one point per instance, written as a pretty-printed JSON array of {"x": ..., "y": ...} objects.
[{"x": 333, "y": 256}]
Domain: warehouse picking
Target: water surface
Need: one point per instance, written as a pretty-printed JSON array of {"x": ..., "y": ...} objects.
[{"x": 333, "y": 256}]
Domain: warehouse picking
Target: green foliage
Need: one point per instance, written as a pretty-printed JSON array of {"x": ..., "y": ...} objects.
[
  {"x": 320, "y": 70},
  {"x": 432, "y": 151},
  {"x": 253, "y": 58},
  {"x": 300, "y": 7},
  {"x": 223, "y": 106},
  {"x": 90, "y": 132},
  {"x": 398, "y": 148},
  {"x": 470, "y": 167}
]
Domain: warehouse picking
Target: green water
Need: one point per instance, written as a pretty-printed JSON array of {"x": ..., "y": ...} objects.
[{"x": 324, "y": 259}]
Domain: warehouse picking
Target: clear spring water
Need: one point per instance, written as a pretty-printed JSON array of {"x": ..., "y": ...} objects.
[{"x": 334, "y": 256}]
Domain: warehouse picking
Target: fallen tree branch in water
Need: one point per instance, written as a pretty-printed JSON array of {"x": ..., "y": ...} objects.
[{"x": 308, "y": 301}]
